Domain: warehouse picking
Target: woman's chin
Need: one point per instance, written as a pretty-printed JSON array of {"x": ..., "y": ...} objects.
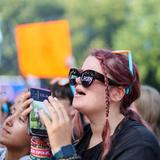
[{"x": 78, "y": 106}]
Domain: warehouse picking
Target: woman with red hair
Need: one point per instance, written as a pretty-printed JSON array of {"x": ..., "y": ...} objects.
[{"x": 106, "y": 85}]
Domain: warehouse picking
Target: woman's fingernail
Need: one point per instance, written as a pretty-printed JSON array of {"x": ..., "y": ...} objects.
[
  {"x": 45, "y": 101},
  {"x": 50, "y": 97},
  {"x": 55, "y": 98}
]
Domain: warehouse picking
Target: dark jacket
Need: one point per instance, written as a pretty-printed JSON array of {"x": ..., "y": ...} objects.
[{"x": 130, "y": 141}]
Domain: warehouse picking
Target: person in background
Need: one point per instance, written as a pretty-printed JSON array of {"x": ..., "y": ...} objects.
[
  {"x": 13, "y": 134},
  {"x": 61, "y": 89},
  {"x": 106, "y": 85},
  {"x": 148, "y": 106}
]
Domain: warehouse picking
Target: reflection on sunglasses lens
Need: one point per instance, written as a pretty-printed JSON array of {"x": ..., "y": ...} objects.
[{"x": 86, "y": 78}]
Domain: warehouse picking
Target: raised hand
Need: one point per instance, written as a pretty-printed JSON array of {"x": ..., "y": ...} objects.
[
  {"x": 58, "y": 124},
  {"x": 22, "y": 104}
]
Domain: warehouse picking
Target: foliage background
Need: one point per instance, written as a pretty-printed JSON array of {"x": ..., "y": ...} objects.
[{"x": 125, "y": 24}]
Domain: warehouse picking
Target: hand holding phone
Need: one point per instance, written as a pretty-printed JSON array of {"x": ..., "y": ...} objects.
[{"x": 36, "y": 127}]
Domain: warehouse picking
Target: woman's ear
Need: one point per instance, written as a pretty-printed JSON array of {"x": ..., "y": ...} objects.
[{"x": 117, "y": 93}]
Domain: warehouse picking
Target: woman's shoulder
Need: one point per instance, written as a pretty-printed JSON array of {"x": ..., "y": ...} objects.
[
  {"x": 139, "y": 131},
  {"x": 133, "y": 139},
  {"x": 134, "y": 134}
]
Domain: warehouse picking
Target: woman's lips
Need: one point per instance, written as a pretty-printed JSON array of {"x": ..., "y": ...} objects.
[
  {"x": 5, "y": 131},
  {"x": 79, "y": 92}
]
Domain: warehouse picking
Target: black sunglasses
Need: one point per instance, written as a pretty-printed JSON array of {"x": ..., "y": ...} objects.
[{"x": 87, "y": 77}]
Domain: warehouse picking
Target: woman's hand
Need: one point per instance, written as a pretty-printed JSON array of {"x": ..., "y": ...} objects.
[
  {"x": 22, "y": 104},
  {"x": 58, "y": 125}
]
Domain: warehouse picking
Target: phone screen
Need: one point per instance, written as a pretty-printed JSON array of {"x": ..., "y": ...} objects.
[{"x": 36, "y": 127}]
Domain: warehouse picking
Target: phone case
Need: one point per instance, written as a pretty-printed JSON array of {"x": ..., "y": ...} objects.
[{"x": 36, "y": 127}]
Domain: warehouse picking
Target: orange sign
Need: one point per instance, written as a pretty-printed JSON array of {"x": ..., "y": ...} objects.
[{"x": 43, "y": 48}]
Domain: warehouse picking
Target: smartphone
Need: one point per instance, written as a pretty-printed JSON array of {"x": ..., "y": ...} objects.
[{"x": 36, "y": 127}]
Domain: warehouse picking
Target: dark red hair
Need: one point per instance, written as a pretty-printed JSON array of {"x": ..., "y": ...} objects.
[{"x": 116, "y": 65}]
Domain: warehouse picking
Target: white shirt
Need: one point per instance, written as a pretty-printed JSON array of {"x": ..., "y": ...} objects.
[{"x": 3, "y": 155}]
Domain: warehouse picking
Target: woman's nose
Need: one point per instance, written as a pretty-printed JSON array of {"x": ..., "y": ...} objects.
[
  {"x": 78, "y": 80},
  {"x": 9, "y": 121}
]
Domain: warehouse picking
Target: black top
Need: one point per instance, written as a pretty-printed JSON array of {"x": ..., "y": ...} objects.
[{"x": 131, "y": 141}]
